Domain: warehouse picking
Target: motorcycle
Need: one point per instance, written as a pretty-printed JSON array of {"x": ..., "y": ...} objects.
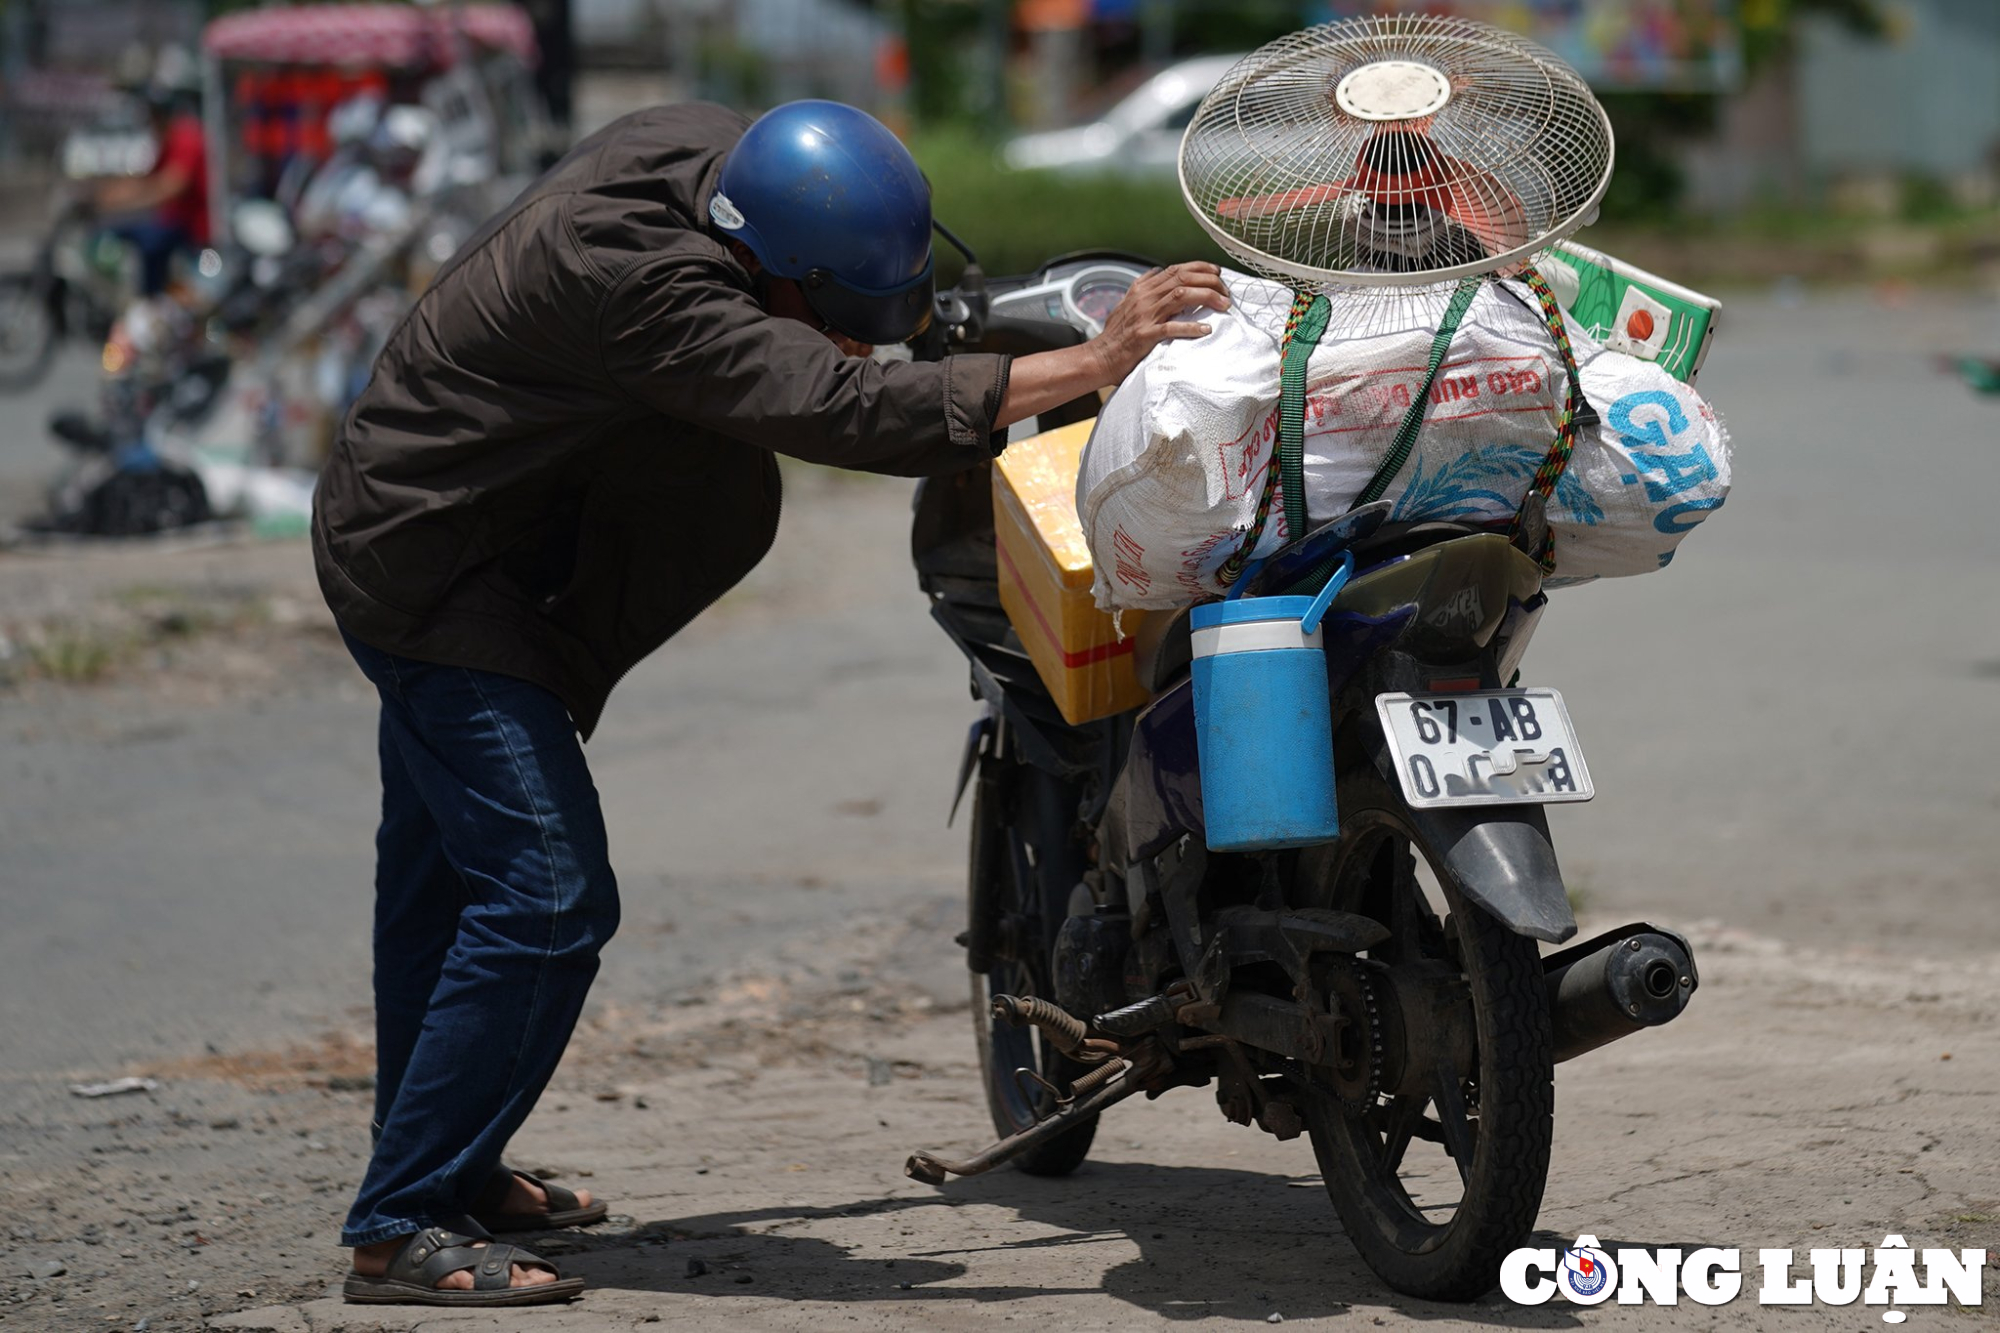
[
  {"x": 1380, "y": 992},
  {"x": 74, "y": 288},
  {"x": 337, "y": 277}
]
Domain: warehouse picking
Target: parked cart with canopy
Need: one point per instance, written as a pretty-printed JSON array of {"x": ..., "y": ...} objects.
[
  {"x": 274, "y": 75},
  {"x": 352, "y": 148}
]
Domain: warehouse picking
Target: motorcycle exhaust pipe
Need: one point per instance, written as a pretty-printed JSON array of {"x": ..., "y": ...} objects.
[{"x": 1635, "y": 977}]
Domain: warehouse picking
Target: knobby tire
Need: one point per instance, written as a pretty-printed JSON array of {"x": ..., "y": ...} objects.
[
  {"x": 1043, "y": 900},
  {"x": 1515, "y": 1086}
]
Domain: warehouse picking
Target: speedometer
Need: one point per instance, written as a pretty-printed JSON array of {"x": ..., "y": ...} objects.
[
  {"x": 1097, "y": 295},
  {"x": 1079, "y": 292}
]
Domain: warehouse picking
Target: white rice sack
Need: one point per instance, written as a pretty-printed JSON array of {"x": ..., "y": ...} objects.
[
  {"x": 1653, "y": 465},
  {"x": 1165, "y": 487},
  {"x": 1175, "y": 467}
]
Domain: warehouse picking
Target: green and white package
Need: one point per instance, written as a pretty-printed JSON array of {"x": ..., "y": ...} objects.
[{"x": 1630, "y": 310}]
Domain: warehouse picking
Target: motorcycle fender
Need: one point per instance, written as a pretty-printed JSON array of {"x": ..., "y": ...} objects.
[
  {"x": 1502, "y": 859},
  {"x": 1162, "y": 775}
]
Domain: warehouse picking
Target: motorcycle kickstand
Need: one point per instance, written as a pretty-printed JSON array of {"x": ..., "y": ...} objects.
[{"x": 1104, "y": 1086}]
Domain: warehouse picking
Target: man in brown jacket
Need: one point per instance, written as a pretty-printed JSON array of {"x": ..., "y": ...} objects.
[{"x": 566, "y": 453}]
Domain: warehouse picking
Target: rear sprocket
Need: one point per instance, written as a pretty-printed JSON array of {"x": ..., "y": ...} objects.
[{"x": 1355, "y": 1071}]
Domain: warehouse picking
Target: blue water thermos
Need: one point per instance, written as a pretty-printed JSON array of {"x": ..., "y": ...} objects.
[{"x": 1263, "y": 720}]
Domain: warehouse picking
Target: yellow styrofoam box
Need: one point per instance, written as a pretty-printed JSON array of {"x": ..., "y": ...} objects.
[{"x": 1045, "y": 576}]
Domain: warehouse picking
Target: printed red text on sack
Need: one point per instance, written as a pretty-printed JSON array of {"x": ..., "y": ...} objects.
[{"x": 1377, "y": 399}]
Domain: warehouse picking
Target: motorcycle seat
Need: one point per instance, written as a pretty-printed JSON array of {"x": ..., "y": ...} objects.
[{"x": 1163, "y": 646}]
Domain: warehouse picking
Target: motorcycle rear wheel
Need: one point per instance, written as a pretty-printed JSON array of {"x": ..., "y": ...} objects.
[
  {"x": 27, "y": 331},
  {"x": 1034, "y": 893},
  {"x": 1500, "y": 1113}
]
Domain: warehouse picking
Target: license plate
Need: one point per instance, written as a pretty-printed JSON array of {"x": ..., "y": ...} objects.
[{"x": 1491, "y": 747}]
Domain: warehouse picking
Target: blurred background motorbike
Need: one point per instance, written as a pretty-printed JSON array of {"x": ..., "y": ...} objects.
[{"x": 332, "y": 159}]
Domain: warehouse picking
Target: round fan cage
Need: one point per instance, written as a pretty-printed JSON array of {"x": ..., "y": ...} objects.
[{"x": 1399, "y": 152}]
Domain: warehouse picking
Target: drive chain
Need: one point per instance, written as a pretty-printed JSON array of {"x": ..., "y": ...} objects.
[{"x": 1352, "y": 987}]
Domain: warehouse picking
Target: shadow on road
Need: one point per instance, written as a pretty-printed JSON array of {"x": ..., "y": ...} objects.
[{"x": 1213, "y": 1243}]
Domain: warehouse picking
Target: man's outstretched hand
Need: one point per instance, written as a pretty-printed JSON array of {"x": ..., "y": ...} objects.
[{"x": 1152, "y": 311}]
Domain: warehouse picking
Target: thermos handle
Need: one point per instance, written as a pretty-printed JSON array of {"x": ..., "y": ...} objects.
[{"x": 1334, "y": 584}]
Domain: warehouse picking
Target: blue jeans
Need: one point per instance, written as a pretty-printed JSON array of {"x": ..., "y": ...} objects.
[
  {"x": 493, "y": 896},
  {"x": 157, "y": 242}
]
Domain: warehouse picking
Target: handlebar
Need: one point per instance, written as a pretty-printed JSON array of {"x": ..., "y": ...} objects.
[
  {"x": 962, "y": 321},
  {"x": 962, "y": 318},
  {"x": 1019, "y": 337}
]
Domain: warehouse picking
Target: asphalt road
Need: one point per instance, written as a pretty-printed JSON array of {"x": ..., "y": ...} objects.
[
  {"x": 1791, "y": 732},
  {"x": 1791, "y": 729}
]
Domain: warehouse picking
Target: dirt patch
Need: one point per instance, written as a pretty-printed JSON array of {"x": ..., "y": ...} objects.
[
  {"x": 141, "y": 627},
  {"x": 750, "y": 1145},
  {"x": 338, "y": 1061},
  {"x": 153, "y": 625},
  {"x": 816, "y": 1004},
  {"x": 225, "y": 1186}
]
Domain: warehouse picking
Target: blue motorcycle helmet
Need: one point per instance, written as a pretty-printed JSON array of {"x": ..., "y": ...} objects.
[{"x": 825, "y": 195}]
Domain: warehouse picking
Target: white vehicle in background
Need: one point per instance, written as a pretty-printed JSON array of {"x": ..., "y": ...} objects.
[{"x": 1139, "y": 136}]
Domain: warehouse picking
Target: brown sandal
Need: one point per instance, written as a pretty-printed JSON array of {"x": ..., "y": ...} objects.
[
  {"x": 564, "y": 1209},
  {"x": 434, "y": 1253}
]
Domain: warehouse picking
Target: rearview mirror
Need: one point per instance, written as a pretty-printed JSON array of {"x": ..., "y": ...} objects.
[{"x": 263, "y": 228}]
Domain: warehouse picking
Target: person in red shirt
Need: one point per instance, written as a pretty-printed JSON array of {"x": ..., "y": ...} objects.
[{"x": 168, "y": 206}]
